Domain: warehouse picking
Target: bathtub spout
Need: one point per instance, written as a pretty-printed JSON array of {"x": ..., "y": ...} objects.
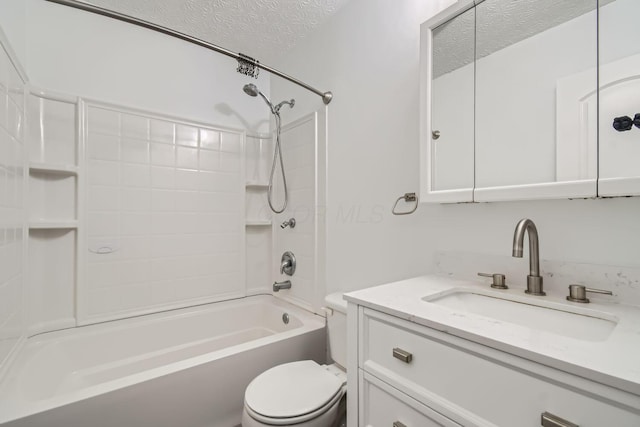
[{"x": 281, "y": 285}]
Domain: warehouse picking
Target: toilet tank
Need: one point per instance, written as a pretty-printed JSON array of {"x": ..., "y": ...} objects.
[{"x": 337, "y": 328}]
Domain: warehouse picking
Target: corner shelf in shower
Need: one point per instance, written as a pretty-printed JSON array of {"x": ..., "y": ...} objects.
[
  {"x": 54, "y": 175},
  {"x": 53, "y": 169},
  {"x": 257, "y": 185},
  {"x": 258, "y": 223},
  {"x": 53, "y": 225}
]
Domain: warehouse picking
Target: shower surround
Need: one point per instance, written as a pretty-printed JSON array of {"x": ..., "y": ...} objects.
[{"x": 132, "y": 179}]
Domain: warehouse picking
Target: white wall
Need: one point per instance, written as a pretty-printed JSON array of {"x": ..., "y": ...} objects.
[
  {"x": 88, "y": 55},
  {"x": 368, "y": 56}
]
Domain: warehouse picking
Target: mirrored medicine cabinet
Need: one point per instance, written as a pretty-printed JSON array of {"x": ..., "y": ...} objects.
[{"x": 530, "y": 99}]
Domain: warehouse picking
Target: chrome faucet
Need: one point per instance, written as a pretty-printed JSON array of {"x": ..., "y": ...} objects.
[
  {"x": 534, "y": 280},
  {"x": 281, "y": 285}
]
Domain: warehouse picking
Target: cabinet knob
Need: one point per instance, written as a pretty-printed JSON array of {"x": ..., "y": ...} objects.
[
  {"x": 398, "y": 424},
  {"x": 622, "y": 123},
  {"x": 549, "y": 420},
  {"x": 402, "y": 355}
]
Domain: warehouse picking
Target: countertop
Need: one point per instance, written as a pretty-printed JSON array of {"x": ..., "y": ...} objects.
[{"x": 614, "y": 361}]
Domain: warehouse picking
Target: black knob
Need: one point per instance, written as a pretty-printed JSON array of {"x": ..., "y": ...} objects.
[
  {"x": 636, "y": 120},
  {"x": 623, "y": 123}
]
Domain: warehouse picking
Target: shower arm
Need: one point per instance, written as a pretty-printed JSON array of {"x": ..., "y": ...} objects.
[{"x": 326, "y": 96}]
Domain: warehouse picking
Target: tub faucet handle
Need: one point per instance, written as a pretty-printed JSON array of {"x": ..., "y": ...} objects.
[{"x": 288, "y": 263}]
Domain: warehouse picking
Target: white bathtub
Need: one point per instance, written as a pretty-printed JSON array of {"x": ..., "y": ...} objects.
[{"x": 185, "y": 368}]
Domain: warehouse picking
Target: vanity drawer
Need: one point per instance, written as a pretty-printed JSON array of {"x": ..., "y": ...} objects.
[
  {"x": 384, "y": 406},
  {"x": 479, "y": 386}
]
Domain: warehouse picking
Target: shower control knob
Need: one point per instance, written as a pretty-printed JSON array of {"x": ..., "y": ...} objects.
[{"x": 288, "y": 263}]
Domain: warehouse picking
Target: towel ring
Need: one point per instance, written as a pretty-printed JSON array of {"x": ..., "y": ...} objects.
[{"x": 407, "y": 197}]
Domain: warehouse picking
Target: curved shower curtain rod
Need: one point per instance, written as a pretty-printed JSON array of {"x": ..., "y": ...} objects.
[{"x": 242, "y": 59}]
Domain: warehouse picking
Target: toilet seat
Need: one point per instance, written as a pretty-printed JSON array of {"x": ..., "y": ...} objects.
[
  {"x": 293, "y": 393},
  {"x": 295, "y": 420}
]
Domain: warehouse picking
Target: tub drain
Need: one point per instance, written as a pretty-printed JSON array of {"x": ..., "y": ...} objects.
[{"x": 285, "y": 318}]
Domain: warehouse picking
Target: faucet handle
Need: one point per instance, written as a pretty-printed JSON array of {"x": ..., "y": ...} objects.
[
  {"x": 578, "y": 293},
  {"x": 498, "y": 280}
]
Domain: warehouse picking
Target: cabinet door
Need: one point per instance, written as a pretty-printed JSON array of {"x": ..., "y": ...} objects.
[
  {"x": 619, "y": 150},
  {"x": 447, "y": 105},
  {"x": 536, "y": 97},
  {"x": 384, "y": 406}
]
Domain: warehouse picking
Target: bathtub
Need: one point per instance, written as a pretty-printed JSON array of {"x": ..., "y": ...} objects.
[{"x": 185, "y": 368}]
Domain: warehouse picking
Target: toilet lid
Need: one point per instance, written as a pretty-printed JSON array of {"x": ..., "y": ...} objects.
[{"x": 292, "y": 389}]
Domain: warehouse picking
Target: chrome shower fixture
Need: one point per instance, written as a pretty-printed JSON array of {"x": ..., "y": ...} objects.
[
  {"x": 252, "y": 90},
  {"x": 290, "y": 103},
  {"x": 291, "y": 222}
]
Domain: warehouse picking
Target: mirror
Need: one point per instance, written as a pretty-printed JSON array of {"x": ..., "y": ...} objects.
[
  {"x": 619, "y": 151},
  {"x": 532, "y": 125},
  {"x": 452, "y": 97},
  {"x": 528, "y": 130}
]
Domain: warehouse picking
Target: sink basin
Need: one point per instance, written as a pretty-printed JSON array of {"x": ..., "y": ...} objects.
[{"x": 574, "y": 322}]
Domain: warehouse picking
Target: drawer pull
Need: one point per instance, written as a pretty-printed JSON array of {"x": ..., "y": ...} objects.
[
  {"x": 398, "y": 424},
  {"x": 550, "y": 420},
  {"x": 400, "y": 354}
]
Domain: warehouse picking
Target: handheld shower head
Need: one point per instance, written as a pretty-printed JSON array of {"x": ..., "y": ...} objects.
[{"x": 252, "y": 90}]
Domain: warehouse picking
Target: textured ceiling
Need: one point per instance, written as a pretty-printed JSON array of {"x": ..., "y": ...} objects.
[
  {"x": 500, "y": 23},
  {"x": 262, "y": 29}
]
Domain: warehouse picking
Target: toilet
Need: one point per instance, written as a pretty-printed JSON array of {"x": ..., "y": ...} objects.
[{"x": 304, "y": 393}]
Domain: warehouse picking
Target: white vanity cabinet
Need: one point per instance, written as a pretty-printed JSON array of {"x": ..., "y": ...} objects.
[{"x": 402, "y": 374}]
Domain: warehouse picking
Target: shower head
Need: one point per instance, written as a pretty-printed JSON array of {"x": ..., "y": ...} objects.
[{"x": 252, "y": 90}]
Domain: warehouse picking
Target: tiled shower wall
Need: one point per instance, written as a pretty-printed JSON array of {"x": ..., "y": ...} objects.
[
  {"x": 11, "y": 203},
  {"x": 165, "y": 214},
  {"x": 303, "y": 143}
]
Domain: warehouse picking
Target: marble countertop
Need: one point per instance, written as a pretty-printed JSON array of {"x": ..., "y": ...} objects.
[{"x": 613, "y": 360}]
